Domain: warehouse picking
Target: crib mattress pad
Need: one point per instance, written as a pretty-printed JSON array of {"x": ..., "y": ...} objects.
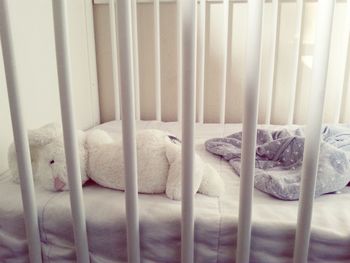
[{"x": 273, "y": 229}]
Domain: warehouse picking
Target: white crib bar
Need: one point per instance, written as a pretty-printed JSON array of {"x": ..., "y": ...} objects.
[
  {"x": 201, "y": 60},
  {"x": 20, "y": 138},
  {"x": 114, "y": 58},
  {"x": 69, "y": 134},
  {"x": 251, "y": 93},
  {"x": 313, "y": 129},
  {"x": 136, "y": 59},
  {"x": 273, "y": 58},
  {"x": 157, "y": 69},
  {"x": 226, "y": 61},
  {"x": 345, "y": 87},
  {"x": 188, "y": 119},
  {"x": 297, "y": 57},
  {"x": 128, "y": 127},
  {"x": 179, "y": 58}
]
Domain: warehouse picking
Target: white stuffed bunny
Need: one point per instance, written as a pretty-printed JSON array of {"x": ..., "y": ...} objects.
[{"x": 102, "y": 160}]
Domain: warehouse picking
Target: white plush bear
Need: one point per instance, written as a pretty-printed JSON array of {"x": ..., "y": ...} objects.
[{"x": 102, "y": 160}]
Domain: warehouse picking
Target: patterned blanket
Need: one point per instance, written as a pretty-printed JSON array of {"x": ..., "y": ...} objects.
[{"x": 279, "y": 156}]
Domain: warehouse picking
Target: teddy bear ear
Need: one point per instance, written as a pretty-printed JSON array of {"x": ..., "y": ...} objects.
[{"x": 44, "y": 135}]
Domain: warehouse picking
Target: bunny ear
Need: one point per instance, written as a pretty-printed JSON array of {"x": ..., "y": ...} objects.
[{"x": 44, "y": 135}]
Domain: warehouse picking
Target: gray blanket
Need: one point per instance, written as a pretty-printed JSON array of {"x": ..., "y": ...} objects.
[{"x": 279, "y": 156}]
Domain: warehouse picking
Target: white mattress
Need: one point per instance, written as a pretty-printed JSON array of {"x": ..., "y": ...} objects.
[{"x": 273, "y": 230}]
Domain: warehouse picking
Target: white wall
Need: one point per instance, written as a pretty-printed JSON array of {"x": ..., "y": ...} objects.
[
  {"x": 214, "y": 56},
  {"x": 32, "y": 27}
]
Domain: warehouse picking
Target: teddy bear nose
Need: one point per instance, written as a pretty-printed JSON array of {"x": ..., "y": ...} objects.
[{"x": 58, "y": 184}]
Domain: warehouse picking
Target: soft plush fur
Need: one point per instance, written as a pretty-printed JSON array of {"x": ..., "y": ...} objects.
[{"x": 102, "y": 160}]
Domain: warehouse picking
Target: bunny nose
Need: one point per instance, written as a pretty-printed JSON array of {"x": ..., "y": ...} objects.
[{"x": 58, "y": 184}]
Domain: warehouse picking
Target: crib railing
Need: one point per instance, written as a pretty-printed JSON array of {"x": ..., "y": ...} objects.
[
  {"x": 20, "y": 137},
  {"x": 68, "y": 124},
  {"x": 286, "y": 61},
  {"x": 313, "y": 130},
  {"x": 249, "y": 131},
  {"x": 126, "y": 17},
  {"x": 128, "y": 127}
]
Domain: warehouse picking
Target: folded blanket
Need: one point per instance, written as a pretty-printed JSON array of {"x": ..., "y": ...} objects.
[{"x": 279, "y": 156}]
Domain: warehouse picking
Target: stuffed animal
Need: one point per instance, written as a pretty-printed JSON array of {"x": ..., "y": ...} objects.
[{"x": 102, "y": 160}]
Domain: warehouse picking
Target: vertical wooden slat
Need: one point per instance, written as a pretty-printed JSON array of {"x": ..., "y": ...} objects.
[
  {"x": 91, "y": 47},
  {"x": 20, "y": 138},
  {"x": 340, "y": 113},
  {"x": 69, "y": 131},
  {"x": 313, "y": 129},
  {"x": 188, "y": 118},
  {"x": 226, "y": 60},
  {"x": 136, "y": 59},
  {"x": 297, "y": 56},
  {"x": 201, "y": 60},
  {"x": 113, "y": 33},
  {"x": 273, "y": 58},
  {"x": 128, "y": 127},
  {"x": 251, "y": 93},
  {"x": 157, "y": 61},
  {"x": 179, "y": 58}
]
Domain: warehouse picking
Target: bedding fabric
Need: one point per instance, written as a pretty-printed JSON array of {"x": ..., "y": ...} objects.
[
  {"x": 273, "y": 228},
  {"x": 279, "y": 156}
]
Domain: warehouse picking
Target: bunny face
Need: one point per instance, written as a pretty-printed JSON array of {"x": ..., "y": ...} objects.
[
  {"x": 52, "y": 167},
  {"x": 48, "y": 157}
]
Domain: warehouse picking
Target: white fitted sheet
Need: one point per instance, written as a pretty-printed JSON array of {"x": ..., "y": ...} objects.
[{"x": 273, "y": 230}]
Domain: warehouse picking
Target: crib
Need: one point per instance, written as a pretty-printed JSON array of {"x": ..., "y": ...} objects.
[{"x": 129, "y": 111}]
